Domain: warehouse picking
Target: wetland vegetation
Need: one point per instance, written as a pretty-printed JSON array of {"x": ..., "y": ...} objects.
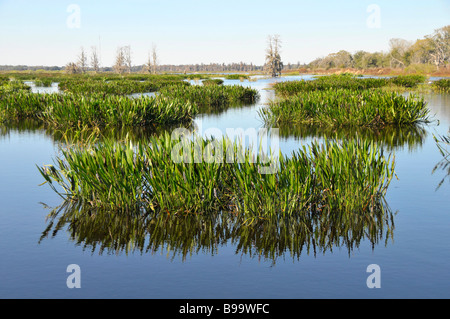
[
  {"x": 346, "y": 101},
  {"x": 332, "y": 178},
  {"x": 334, "y": 189}
]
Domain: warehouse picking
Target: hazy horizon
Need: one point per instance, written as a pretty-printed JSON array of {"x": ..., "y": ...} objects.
[{"x": 45, "y": 33}]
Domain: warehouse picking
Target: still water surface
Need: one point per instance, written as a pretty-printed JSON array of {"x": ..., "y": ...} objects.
[{"x": 414, "y": 262}]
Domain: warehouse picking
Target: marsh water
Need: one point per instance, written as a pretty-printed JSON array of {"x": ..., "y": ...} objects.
[{"x": 215, "y": 258}]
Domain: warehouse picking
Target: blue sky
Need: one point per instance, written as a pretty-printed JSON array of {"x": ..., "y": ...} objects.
[{"x": 197, "y": 31}]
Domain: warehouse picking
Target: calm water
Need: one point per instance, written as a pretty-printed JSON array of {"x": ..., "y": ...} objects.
[{"x": 414, "y": 263}]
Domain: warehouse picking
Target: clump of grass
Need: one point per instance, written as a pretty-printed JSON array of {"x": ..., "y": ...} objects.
[
  {"x": 332, "y": 178},
  {"x": 11, "y": 86},
  {"x": 117, "y": 87},
  {"x": 43, "y": 82},
  {"x": 408, "y": 81},
  {"x": 236, "y": 77},
  {"x": 94, "y": 110},
  {"x": 346, "y": 108},
  {"x": 212, "y": 82},
  {"x": 442, "y": 85},
  {"x": 218, "y": 96},
  {"x": 323, "y": 83},
  {"x": 347, "y": 81}
]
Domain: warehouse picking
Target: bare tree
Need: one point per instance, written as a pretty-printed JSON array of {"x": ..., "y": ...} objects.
[
  {"x": 155, "y": 60},
  {"x": 119, "y": 65},
  {"x": 95, "y": 62},
  {"x": 148, "y": 66},
  {"x": 127, "y": 57},
  {"x": 152, "y": 62},
  {"x": 82, "y": 61},
  {"x": 440, "y": 41},
  {"x": 273, "y": 65}
]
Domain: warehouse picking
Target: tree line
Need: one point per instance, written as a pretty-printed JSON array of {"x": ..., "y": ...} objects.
[{"x": 432, "y": 50}]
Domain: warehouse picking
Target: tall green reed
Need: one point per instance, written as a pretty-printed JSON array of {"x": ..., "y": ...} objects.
[
  {"x": 334, "y": 178},
  {"x": 347, "y": 107}
]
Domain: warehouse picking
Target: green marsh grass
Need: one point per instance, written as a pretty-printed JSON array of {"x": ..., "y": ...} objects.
[
  {"x": 442, "y": 85},
  {"x": 43, "y": 82},
  {"x": 94, "y": 110},
  {"x": 236, "y": 77},
  {"x": 118, "y": 87},
  {"x": 212, "y": 82},
  {"x": 218, "y": 96},
  {"x": 346, "y": 108},
  {"x": 331, "y": 178},
  {"x": 11, "y": 86},
  {"x": 408, "y": 81},
  {"x": 323, "y": 83}
]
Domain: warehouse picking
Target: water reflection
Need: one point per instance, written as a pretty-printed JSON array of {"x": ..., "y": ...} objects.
[
  {"x": 391, "y": 137},
  {"x": 73, "y": 135},
  {"x": 107, "y": 232}
]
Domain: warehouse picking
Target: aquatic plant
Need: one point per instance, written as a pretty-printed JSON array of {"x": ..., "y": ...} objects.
[
  {"x": 94, "y": 110},
  {"x": 442, "y": 85},
  {"x": 236, "y": 77},
  {"x": 212, "y": 82},
  {"x": 321, "y": 83},
  {"x": 346, "y": 107},
  {"x": 10, "y": 86},
  {"x": 218, "y": 96},
  {"x": 118, "y": 86},
  {"x": 347, "y": 81},
  {"x": 331, "y": 178},
  {"x": 408, "y": 81},
  {"x": 43, "y": 82}
]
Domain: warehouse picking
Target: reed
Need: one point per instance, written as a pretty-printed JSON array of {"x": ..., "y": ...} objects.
[
  {"x": 218, "y": 96},
  {"x": 236, "y": 77},
  {"x": 94, "y": 110},
  {"x": 212, "y": 82},
  {"x": 10, "y": 86},
  {"x": 347, "y": 108},
  {"x": 118, "y": 86},
  {"x": 43, "y": 82},
  {"x": 344, "y": 81},
  {"x": 408, "y": 81},
  {"x": 324, "y": 83},
  {"x": 442, "y": 85},
  {"x": 333, "y": 178}
]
